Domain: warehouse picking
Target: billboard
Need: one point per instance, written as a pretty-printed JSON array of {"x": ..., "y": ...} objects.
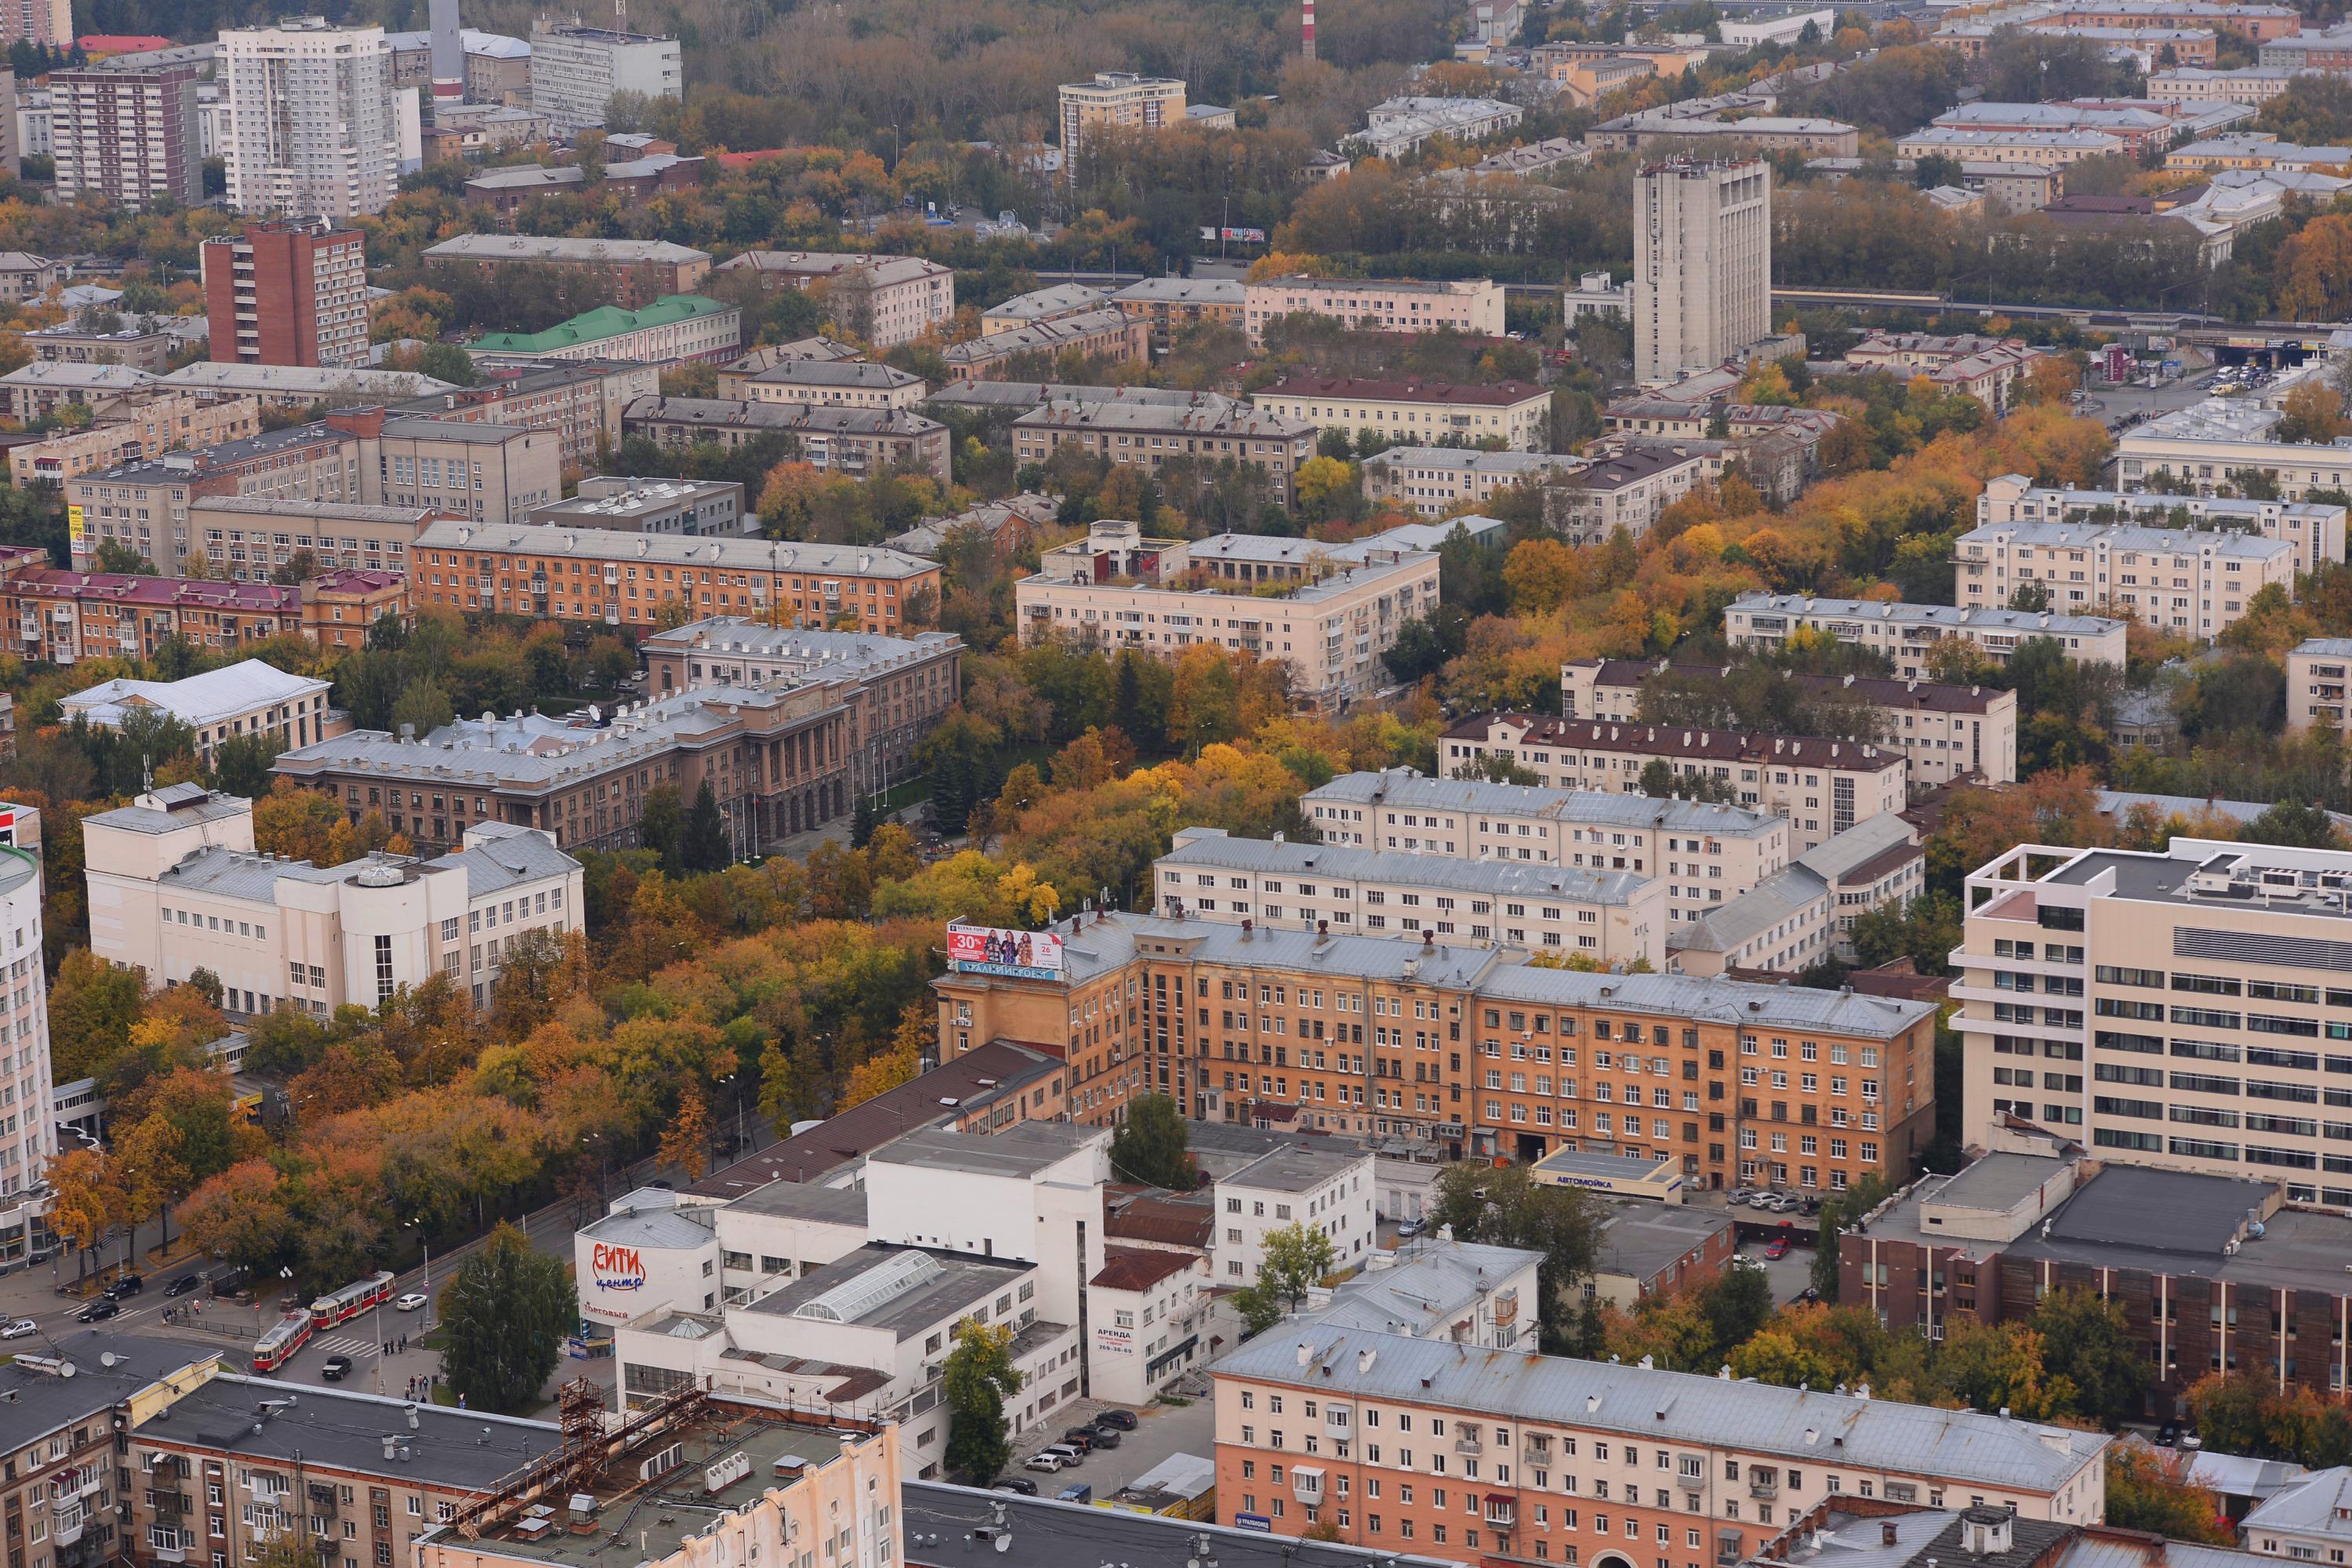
[
  {"x": 992, "y": 949},
  {"x": 75, "y": 532}
]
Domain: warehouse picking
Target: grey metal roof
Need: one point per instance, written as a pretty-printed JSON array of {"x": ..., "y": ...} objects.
[
  {"x": 227, "y": 375},
  {"x": 2325, "y": 647},
  {"x": 961, "y": 1281},
  {"x": 504, "y": 856},
  {"x": 311, "y": 511},
  {"x": 38, "y": 1400},
  {"x": 666, "y": 1225},
  {"x": 1297, "y": 1169},
  {"x": 2121, "y": 537},
  {"x": 224, "y": 873},
  {"x": 1808, "y": 1425},
  {"x": 808, "y": 1201},
  {"x": 1023, "y": 1149},
  {"x": 2321, "y": 1504},
  {"x": 1432, "y": 1282},
  {"x": 1866, "y": 841},
  {"x": 343, "y": 1430},
  {"x": 1408, "y": 789},
  {"x": 1997, "y": 1182},
  {"x": 836, "y": 652},
  {"x": 678, "y": 549},
  {"x": 835, "y": 373},
  {"x": 200, "y": 699},
  {"x": 1982, "y": 619},
  {"x": 1059, "y": 298},
  {"x": 1717, "y": 1001},
  {"x": 147, "y": 819},
  {"x": 548, "y": 247},
  {"x": 1643, "y": 1237},
  {"x": 1785, "y": 895},
  {"x": 1046, "y": 1533},
  {"x": 1360, "y": 957},
  {"x": 1207, "y": 848}
]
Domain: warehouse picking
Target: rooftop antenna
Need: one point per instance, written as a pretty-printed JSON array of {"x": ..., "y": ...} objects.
[{"x": 146, "y": 774}]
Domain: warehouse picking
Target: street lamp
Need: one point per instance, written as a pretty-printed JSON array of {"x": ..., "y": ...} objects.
[{"x": 425, "y": 1241}]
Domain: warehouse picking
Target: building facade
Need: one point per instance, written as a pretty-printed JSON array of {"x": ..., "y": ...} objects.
[
  {"x": 884, "y": 299},
  {"x": 2316, "y": 528},
  {"x": 312, "y": 120},
  {"x": 1515, "y": 413},
  {"x": 859, "y": 442},
  {"x": 576, "y": 70},
  {"x": 288, "y": 292},
  {"x": 1148, "y": 433},
  {"x": 1904, "y": 633},
  {"x": 1116, "y": 100},
  {"x": 248, "y": 698},
  {"x": 1384, "y": 305},
  {"x": 127, "y": 134},
  {"x": 633, "y": 272},
  {"x": 676, "y": 329},
  {"x": 2189, "y": 582},
  {"x": 62, "y": 618},
  {"x": 30, "y": 1141},
  {"x": 580, "y": 400},
  {"x": 1435, "y": 480},
  {"x": 1702, "y": 266}
]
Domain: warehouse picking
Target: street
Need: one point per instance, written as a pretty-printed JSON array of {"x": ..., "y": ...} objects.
[{"x": 2116, "y": 405}]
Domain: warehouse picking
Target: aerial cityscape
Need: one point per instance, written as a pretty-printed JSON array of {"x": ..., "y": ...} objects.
[{"x": 1451, "y": 783}]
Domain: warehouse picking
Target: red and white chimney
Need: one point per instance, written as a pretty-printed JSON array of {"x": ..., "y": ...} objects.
[{"x": 1306, "y": 28}]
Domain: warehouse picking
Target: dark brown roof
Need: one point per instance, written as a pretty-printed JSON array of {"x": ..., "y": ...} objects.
[
  {"x": 947, "y": 1091},
  {"x": 1164, "y": 1218},
  {"x": 1686, "y": 741},
  {"x": 1139, "y": 1267}
]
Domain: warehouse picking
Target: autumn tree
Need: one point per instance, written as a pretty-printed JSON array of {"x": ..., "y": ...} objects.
[
  {"x": 1153, "y": 1146},
  {"x": 686, "y": 1142},
  {"x": 506, "y": 1313},
  {"x": 2149, "y": 1488}
]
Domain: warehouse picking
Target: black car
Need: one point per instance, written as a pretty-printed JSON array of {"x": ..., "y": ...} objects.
[
  {"x": 129, "y": 1285},
  {"x": 182, "y": 1285},
  {"x": 336, "y": 1369},
  {"x": 2168, "y": 1434},
  {"x": 1106, "y": 1436},
  {"x": 1122, "y": 1419},
  {"x": 97, "y": 1312},
  {"x": 1021, "y": 1484}
]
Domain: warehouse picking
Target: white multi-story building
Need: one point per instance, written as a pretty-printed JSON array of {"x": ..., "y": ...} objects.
[
  {"x": 885, "y": 299},
  {"x": 1330, "y": 611},
  {"x": 313, "y": 130},
  {"x": 28, "y": 1127},
  {"x": 2220, "y": 443},
  {"x": 576, "y": 71},
  {"x": 1609, "y": 917},
  {"x": 1472, "y": 306},
  {"x": 248, "y": 698},
  {"x": 1331, "y": 1191},
  {"x": 1515, "y": 413},
  {"x": 1702, "y": 265},
  {"x": 176, "y": 886},
  {"x": 1904, "y": 633},
  {"x": 1705, "y": 855},
  {"x": 2316, "y": 528},
  {"x": 2177, "y": 1008},
  {"x": 2319, "y": 684},
  {"x": 2192, "y": 583},
  {"x": 1397, "y": 126},
  {"x": 1434, "y": 480},
  {"x": 1820, "y": 784}
]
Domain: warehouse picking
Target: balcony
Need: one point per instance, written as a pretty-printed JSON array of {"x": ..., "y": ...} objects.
[
  {"x": 1306, "y": 1484},
  {"x": 1691, "y": 1481},
  {"x": 1536, "y": 1457},
  {"x": 1763, "y": 1484},
  {"x": 1468, "y": 1445}
]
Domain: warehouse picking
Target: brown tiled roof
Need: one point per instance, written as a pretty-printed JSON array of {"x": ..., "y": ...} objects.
[
  {"x": 1166, "y": 1219},
  {"x": 1139, "y": 1267}
]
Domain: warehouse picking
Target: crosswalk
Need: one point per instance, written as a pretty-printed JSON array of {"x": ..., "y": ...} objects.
[{"x": 346, "y": 1344}]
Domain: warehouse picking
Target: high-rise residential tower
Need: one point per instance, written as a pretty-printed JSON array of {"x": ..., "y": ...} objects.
[
  {"x": 312, "y": 129},
  {"x": 127, "y": 131},
  {"x": 1702, "y": 265},
  {"x": 287, "y": 291}
]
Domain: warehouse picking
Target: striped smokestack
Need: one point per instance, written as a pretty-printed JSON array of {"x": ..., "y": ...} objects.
[{"x": 1306, "y": 28}]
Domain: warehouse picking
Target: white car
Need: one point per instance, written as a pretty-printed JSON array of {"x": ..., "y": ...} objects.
[
  {"x": 410, "y": 1302},
  {"x": 19, "y": 1328}
]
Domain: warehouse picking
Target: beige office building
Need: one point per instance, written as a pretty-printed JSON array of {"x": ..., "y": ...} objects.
[
  {"x": 248, "y": 698},
  {"x": 848, "y": 383},
  {"x": 1471, "y": 306},
  {"x": 1820, "y": 786},
  {"x": 1702, "y": 265},
  {"x": 1116, "y": 100},
  {"x": 1515, "y": 413},
  {"x": 1944, "y": 731},
  {"x": 2184, "y": 581},
  {"x": 1904, "y": 633},
  {"x": 259, "y": 536},
  {"x": 1330, "y": 611},
  {"x": 2165, "y": 1010},
  {"x": 1434, "y": 480},
  {"x": 1609, "y": 917}
]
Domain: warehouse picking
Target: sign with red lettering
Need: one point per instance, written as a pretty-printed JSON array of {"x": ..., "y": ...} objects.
[{"x": 618, "y": 1267}]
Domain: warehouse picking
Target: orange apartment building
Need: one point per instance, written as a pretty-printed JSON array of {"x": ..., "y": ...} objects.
[
  {"x": 551, "y": 573},
  {"x": 64, "y": 617},
  {"x": 1415, "y": 1445},
  {"x": 1469, "y": 1050}
]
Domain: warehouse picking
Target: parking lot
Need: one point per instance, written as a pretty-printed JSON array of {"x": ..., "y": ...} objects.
[{"x": 1160, "y": 1430}]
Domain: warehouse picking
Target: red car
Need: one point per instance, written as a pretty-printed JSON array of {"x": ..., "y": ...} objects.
[{"x": 1778, "y": 1247}]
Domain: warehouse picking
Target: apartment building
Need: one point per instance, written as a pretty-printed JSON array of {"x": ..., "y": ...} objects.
[
  {"x": 1987, "y": 369},
  {"x": 702, "y": 509},
  {"x": 1804, "y": 914},
  {"x": 580, "y": 400},
  {"x": 30, "y": 1141},
  {"x": 634, "y": 272},
  {"x": 2191, "y": 582},
  {"x": 1109, "y": 335},
  {"x": 1148, "y": 432},
  {"x": 2214, "y": 1273},
  {"x": 1472, "y": 306},
  {"x": 852, "y": 383},
  {"x": 248, "y": 698},
  {"x": 491, "y": 472},
  {"x": 181, "y": 888},
  {"x": 1629, "y": 486},
  {"x": 1810, "y": 135},
  {"x": 1120, "y": 101},
  {"x": 2316, "y": 683},
  {"x": 902, "y": 685},
  {"x": 1609, "y": 917},
  {"x": 1170, "y": 307},
  {"x": 1944, "y": 731},
  {"x": 2255, "y": 84},
  {"x": 44, "y": 387},
  {"x": 253, "y": 539},
  {"x": 1702, "y": 265},
  {"x": 1904, "y": 633},
  {"x": 1515, "y": 413},
  {"x": 885, "y": 301},
  {"x": 298, "y": 388},
  {"x": 1806, "y": 1089},
  {"x": 625, "y": 579},
  {"x": 312, "y": 127},
  {"x": 2209, "y": 446},
  {"x": 2042, "y": 149},
  {"x": 132, "y": 430},
  {"x": 1727, "y": 849},
  {"x": 1048, "y": 304},
  {"x": 59, "y": 1473},
  {"x": 1821, "y": 785},
  {"x": 1331, "y": 1191},
  {"x": 2233, "y": 944},
  {"x": 126, "y": 132},
  {"x": 676, "y": 329},
  {"x": 288, "y": 292},
  {"x": 862, "y": 443},
  {"x": 64, "y": 617},
  {"x": 1328, "y": 611},
  {"x": 145, "y": 505},
  {"x": 1435, "y": 480},
  {"x": 1732, "y": 1463},
  {"x": 141, "y": 349},
  {"x": 576, "y": 70},
  {"x": 2318, "y": 49},
  {"x": 2316, "y": 528}
]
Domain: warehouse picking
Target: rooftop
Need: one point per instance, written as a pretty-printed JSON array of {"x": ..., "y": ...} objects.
[
  {"x": 603, "y": 321},
  {"x": 1989, "y": 620},
  {"x": 2121, "y": 539},
  {"x": 903, "y": 1290},
  {"x": 555, "y": 247},
  {"x": 1877, "y": 691},
  {"x": 344, "y": 1430},
  {"x": 1642, "y": 1238},
  {"x": 1656, "y": 1406},
  {"x": 1139, "y": 1267},
  {"x": 2319, "y": 1504},
  {"x": 311, "y": 381},
  {"x": 1406, "y": 790},
  {"x": 106, "y": 1369},
  {"x": 887, "y": 271},
  {"x": 855, "y": 374},
  {"x": 1058, "y": 299},
  {"x": 2214, "y": 419},
  {"x": 1185, "y": 291},
  {"x": 1424, "y": 1290},
  {"x": 1046, "y": 1533},
  {"x": 1203, "y": 847},
  {"x": 824, "y": 418},
  {"x": 1495, "y": 394},
  {"x": 1036, "y": 334},
  {"x": 1023, "y": 1149},
  {"x": 200, "y": 699},
  {"x": 1680, "y": 740},
  {"x": 668, "y": 550},
  {"x": 1297, "y": 1169}
]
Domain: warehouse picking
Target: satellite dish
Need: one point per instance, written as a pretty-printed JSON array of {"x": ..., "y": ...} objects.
[
  {"x": 1003, "y": 1542},
  {"x": 105, "y": 1358}
]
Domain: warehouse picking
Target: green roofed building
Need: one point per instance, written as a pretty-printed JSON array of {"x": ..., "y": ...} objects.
[{"x": 673, "y": 329}]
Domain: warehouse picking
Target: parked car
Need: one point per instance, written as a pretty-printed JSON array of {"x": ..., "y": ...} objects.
[
  {"x": 1106, "y": 1436},
  {"x": 410, "y": 1301},
  {"x": 97, "y": 1312},
  {"x": 1021, "y": 1484},
  {"x": 129, "y": 1285},
  {"x": 1781, "y": 1203},
  {"x": 336, "y": 1369},
  {"x": 2191, "y": 1440},
  {"x": 182, "y": 1285},
  {"x": 1070, "y": 1454},
  {"x": 19, "y": 1329},
  {"x": 1746, "y": 1261},
  {"x": 1079, "y": 1438},
  {"x": 2168, "y": 1434},
  {"x": 1122, "y": 1419},
  {"x": 1049, "y": 1463},
  {"x": 1776, "y": 1249},
  {"x": 1407, "y": 1229}
]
